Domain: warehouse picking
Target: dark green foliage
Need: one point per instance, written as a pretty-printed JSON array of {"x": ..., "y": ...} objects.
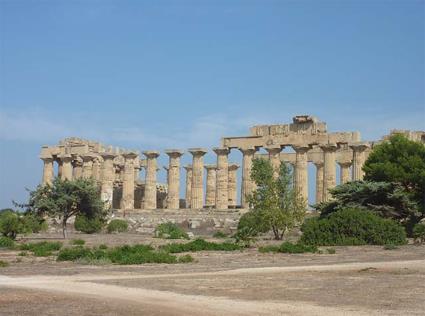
[
  {"x": 3, "y": 264},
  {"x": 117, "y": 226},
  {"x": 352, "y": 226},
  {"x": 43, "y": 248},
  {"x": 402, "y": 161},
  {"x": 77, "y": 242},
  {"x": 288, "y": 247},
  {"x": 103, "y": 247},
  {"x": 185, "y": 259},
  {"x": 170, "y": 231},
  {"x": 74, "y": 253},
  {"x": 220, "y": 234},
  {"x": 331, "y": 251},
  {"x": 6, "y": 242},
  {"x": 88, "y": 225},
  {"x": 10, "y": 224},
  {"x": 419, "y": 232},
  {"x": 200, "y": 245},
  {"x": 33, "y": 223}
]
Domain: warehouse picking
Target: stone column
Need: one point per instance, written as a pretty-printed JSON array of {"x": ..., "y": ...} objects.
[
  {"x": 247, "y": 183},
  {"x": 197, "y": 195},
  {"x": 319, "y": 181},
  {"x": 78, "y": 168},
  {"x": 274, "y": 158},
  {"x": 301, "y": 172},
  {"x": 60, "y": 167},
  {"x": 222, "y": 194},
  {"x": 232, "y": 185},
  {"x": 137, "y": 169},
  {"x": 329, "y": 169},
  {"x": 66, "y": 167},
  {"x": 127, "y": 198},
  {"x": 344, "y": 172},
  {"x": 211, "y": 183},
  {"x": 108, "y": 177},
  {"x": 87, "y": 166},
  {"x": 173, "y": 197},
  {"x": 48, "y": 173},
  {"x": 358, "y": 160},
  {"x": 150, "y": 182},
  {"x": 188, "y": 195},
  {"x": 96, "y": 170}
]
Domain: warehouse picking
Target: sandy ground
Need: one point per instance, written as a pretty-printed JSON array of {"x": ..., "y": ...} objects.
[{"x": 354, "y": 281}]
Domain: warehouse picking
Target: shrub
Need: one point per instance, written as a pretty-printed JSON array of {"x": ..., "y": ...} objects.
[
  {"x": 6, "y": 242},
  {"x": 219, "y": 234},
  {"x": 390, "y": 247},
  {"x": 288, "y": 247},
  {"x": 185, "y": 259},
  {"x": 43, "y": 248},
  {"x": 72, "y": 254},
  {"x": 10, "y": 225},
  {"x": 33, "y": 224},
  {"x": 3, "y": 264},
  {"x": 103, "y": 247},
  {"x": 419, "y": 232},
  {"x": 118, "y": 226},
  {"x": 78, "y": 242},
  {"x": 170, "y": 231},
  {"x": 331, "y": 251},
  {"x": 200, "y": 245},
  {"x": 88, "y": 225},
  {"x": 352, "y": 226}
]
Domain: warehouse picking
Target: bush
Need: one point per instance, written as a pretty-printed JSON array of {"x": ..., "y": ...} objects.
[
  {"x": 6, "y": 242},
  {"x": 33, "y": 224},
  {"x": 3, "y": 264},
  {"x": 288, "y": 247},
  {"x": 352, "y": 226},
  {"x": 390, "y": 247},
  {"x": 10, "y": 225},
  {"x": 170, "y": 231},
  {"x": 219, "y": 234},
  {"x": 118, "y": 226},
  {"x": 331, "y": 251},
  {"x": 78, "y": 242},
  {"x": 185, "y": 259},
  {"x": 200, "y": 245},
  {"x": 88, "y": 225},
  {"x": 419, "y": 232},
  {"x": 43, "y": 248}
]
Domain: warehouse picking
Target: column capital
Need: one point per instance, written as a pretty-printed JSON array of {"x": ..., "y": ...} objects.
[
  {"x": 107, "y": 156},
  {"x": 318, "y": 163},
  {"x": 175, "y": 153},
  {"x": 197, "y": 151},
  {"x": 233, "y": 166},
  {"x": 359, "y": 147},
  {"x": 301, "y": 149},
  {"x": 331, "y": 147},
  {"x": 66, "y": 158},
  {"x": 248, "y": 150},
  {"x": 130, "y": 155},
  {"x": 151, "y": 154},
  {"x": 47, "y": 158},
  {"x": 273, "y": 149},
  {"x": 188, "y": 167},
  {"x": 210, "y": 167},
  {"x": 88, "y": 157},
  {"x": 221, "y": 150},
  {"x": 345, "y": 164}
]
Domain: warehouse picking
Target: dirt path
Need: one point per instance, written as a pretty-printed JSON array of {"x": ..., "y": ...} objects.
[{"x": 183, "y": 304}]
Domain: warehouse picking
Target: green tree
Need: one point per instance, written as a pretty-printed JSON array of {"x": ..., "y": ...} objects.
[
  {"x": 64, "y": 199},
  {"x": 402, "y": 161},
  {"x": 275, "y": 202}
]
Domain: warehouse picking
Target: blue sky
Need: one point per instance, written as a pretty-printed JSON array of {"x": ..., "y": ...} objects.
[{"x": 160, "y": 74}]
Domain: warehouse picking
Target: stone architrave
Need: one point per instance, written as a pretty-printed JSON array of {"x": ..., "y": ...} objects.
[
  {"x": 150, "y": 182},
  {"x": 344, "y": 172},
  {"x": 358, "y": 160},
  {"x": 188, "y": 193},
  {"x": 247, "y": 184},
  {"x": 66, "y": 160},
  {"x": 87, "y": 166},
  {"x": 232, "y": 185},
  {"x": 329, "y": 169},
  {"x": 301, "y": 172},
  {"x": 48, "y": 172},
  {"x": 127, "y": 198},
  {"x": 108, "y": 177},
  {"x": 211, "y": 185},
  {"x": 222, "y": 187},
  {"x": 77, "y": 168},
  {"x": 173, "y": 197},
  {"x": 319, "y": 182},
  {"x": 197, "y": 195},
  {"x": 274, "y": 158}
]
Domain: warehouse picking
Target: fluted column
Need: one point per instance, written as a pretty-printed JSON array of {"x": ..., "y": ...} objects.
[
  {"x": 127, "y": 198},
  {"x": 150, "y": 182},
  {"x": 137, "y": 169},
  {"x": 77, "y": 168},
  {"x": 188, "y": 193},
  {"x": 211, "y": 184},
  {"x": 87, "y": 166},
  {"x": 358, "y": 160},
  {"x": 197, "y": 196},
  {"x": 344, "y": 172},
  {"x": 232, "y": 185},
  {"x": 48, "y": 173},
  {"x": 329, "y": 169},
  {"x": 66, "y": 167},
  {"x": 222, "y": 194},
  {"x": 274, "y": 158},
  {"x": 108, "y": 177},
  {"x": 173, "y": 197},
  {"x": 60, "y": 167},
  {"x": 301, "y": 172},
  {"x": 319, "y": 181},
  {"x": 97, "y": 168},
  {"x": 247, "y": 184}
]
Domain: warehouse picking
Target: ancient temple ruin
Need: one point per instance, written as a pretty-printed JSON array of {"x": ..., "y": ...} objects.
[{"x": 117, "y": 170}]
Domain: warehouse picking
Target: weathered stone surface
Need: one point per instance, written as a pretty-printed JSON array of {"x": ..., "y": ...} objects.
[
  {"x": 197, "y": 194},
  {"x": 222, "y": 197}
]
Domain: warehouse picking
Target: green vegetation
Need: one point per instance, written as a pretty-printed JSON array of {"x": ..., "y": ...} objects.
[
  {"x": 43, "y": 248},
  {"x": 275, "y": 204},
  {"x": 352, "y": 226},
  {"x": 117, "y": 226},
  {"x": 88, "y": 225},
  {"x": 390, "y": 247},
  {"x": 419, "y": 232},
  {"x": 331, "y": 251},
  {"x": 288, "y": 247},
  {"x": 200, "y": 245},
  {"x": 65, "y": 199},
  {"x": 170, "y": 231},
  {"x": 220, "y": 234},
  {"x": 135, "y": 254},
  {"x": 13, "y": 223},
  {"x": 77, "y": 242},
  {"x": 3, "y": 264},
  {"x": 6, "y": 242}
]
